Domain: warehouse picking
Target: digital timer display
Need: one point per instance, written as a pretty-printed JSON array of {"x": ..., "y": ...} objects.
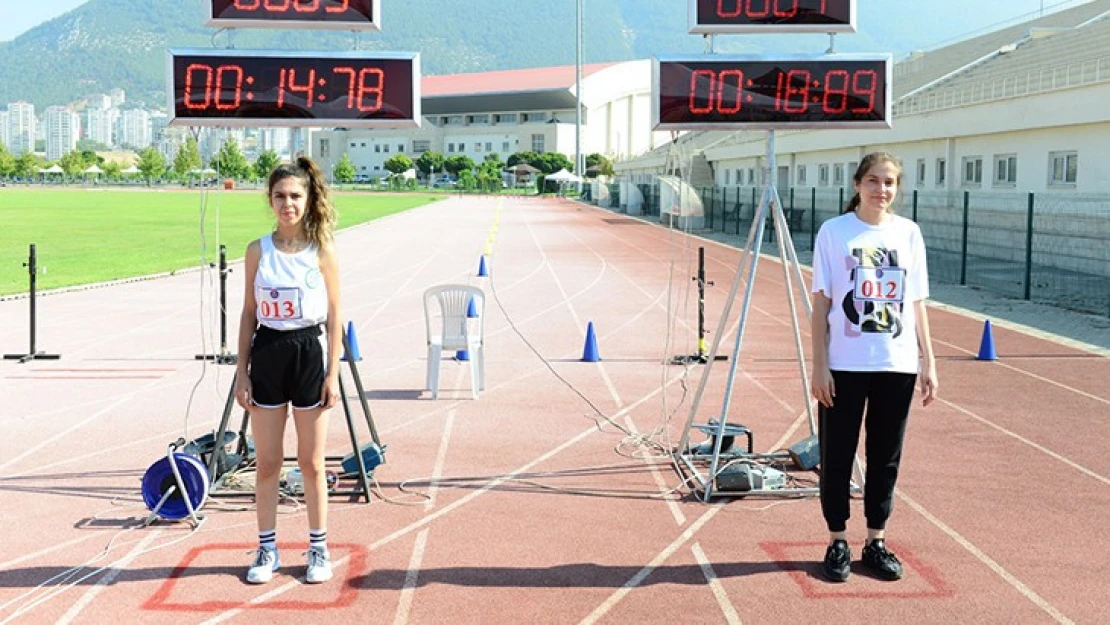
[
  {"x": 266, "y": 88},
  {"x": 780, "y": 16},
  {"x": 326, "y": 14},
  {"x": 736, "y": 93}
]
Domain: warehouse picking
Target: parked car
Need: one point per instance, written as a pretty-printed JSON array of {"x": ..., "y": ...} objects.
[{"x": 443, "y": 183}]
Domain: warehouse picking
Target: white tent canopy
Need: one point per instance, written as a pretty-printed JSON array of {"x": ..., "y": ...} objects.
[
  {"x": 563, "y": 176},
  {"x": 130, "y": 170},
  {"x": 94, "y": 170},
  {"x": 53, "y": 169}
]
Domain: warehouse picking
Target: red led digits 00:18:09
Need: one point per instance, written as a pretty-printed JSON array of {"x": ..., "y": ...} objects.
[{"x": 281, "y": 6}]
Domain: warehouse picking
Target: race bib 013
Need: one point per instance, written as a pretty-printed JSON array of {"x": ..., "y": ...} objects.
[{"x": 279, "y": 303}]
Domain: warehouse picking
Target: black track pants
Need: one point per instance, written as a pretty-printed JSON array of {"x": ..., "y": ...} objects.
[{"x": 886, "y": 397}]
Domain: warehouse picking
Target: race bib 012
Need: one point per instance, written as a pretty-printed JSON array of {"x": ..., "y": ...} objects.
[{"x": 880, "y": 284}]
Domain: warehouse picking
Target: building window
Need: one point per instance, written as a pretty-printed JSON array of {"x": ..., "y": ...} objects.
[
  {"x": 838, "y": 175},
  {"x": 477, "y": 147},
  {"x": 823, "y": 175},
  {"x": 325, "y": 148},
  {"x": 385, "y": 148},
  {"x": 751, "y": 175},
  {"x": 973, "y": 171},
  {"x": 489, "y": 146},
  {"x": 505, "y": 118},
  {"x": 353, "y": 144},
  {"x": 505, "y": 147},
  {"x": 538, "y": 144},
  {"x": 801, "y": 175},
  {"x": 1005, "y": 170},
  {"x": 450, "y": 148},
  {"x": 400, "y": 147},
  {"x": 535, "y": 117},
  {"x": 478, "y": 119},
  {"x": 1063, "y": 168},
  {"x": 728, "y": 173},
  {"x": 942, "y": 172},
  {"x": 920, "y": 172},
  {"x": 453, "y": 120},
  {"x": 422, "y": 146},
  {"x": 377, "y": 147}
]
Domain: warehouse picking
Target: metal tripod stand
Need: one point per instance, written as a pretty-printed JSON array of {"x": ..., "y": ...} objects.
[
  {"x": 693, "y": 460},
  {"x": 219, "y": 457}
]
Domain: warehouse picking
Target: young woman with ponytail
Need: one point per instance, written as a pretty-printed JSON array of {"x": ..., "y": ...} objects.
[
  {"x": 871, "y": 344},
  {"x": 290, "y": 341}
]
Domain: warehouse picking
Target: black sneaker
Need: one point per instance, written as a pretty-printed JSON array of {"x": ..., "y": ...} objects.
[
  {"x": 880, "y": 561},
  {"x": 838, "y": 561}
]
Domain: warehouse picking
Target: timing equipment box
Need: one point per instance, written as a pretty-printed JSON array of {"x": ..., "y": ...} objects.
[
  {"x": 372, "y": 456},
  {"x": 806, "y": 454},
  {"x": 750, "y": 477}
]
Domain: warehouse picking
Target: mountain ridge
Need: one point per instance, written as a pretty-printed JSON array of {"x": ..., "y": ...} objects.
[{"x": 104, "y": 44}]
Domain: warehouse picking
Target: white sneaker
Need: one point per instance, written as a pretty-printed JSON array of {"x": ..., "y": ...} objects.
[
  {"x": 266, "y": 561},
  {"x": 319, "y": 566}
]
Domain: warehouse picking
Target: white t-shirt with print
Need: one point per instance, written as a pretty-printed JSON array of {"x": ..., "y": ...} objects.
[{"x": 873, "y": 274}]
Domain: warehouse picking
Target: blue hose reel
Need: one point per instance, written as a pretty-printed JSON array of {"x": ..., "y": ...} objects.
[{"x": 176, "y": 487}]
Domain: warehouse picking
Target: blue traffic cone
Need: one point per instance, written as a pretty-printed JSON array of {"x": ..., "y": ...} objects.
[
  {"x": 352, "y": 341},
  {"x": 462, "y": 355},
  {"x": 471, "y": 310},
  {"x": 986, "y": 346},
  {"x": 589, "y": 353},
  {"x": 482, "y": 273}
]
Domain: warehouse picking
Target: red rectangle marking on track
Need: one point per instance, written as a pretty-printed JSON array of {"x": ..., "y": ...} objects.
[
  {"x": 356, "y": 566},
  {"x": 920, "y": 582}
]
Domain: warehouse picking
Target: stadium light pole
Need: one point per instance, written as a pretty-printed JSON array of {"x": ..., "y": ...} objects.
[{"x": 578, "y": 94}]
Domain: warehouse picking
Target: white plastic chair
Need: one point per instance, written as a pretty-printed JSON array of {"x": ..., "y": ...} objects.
[{"x": 450, "y": 303}]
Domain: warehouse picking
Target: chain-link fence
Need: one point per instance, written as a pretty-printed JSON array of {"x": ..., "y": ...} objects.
[{"x": 1049, "y": 247}]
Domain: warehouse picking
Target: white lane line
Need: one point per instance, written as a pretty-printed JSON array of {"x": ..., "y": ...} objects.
[
  {"x": 620, "y": 593},
  {"x": 987, "y": 560},
  {"x": 110, "y": 577},
  {"x": 715, "y": 585},
  {"x": 441, "y": 458},
  {"x": 1018, "y": 437},
  {"x": 94, "y": 416},
  {"x": 999, "y": 363},
  {"x": 672, "y": 505},
  {"x": 378, "y": 544},
  {"x": 404, "y": 607},
  {"x": 659, "y": 559},
  {"x": 1024, "y": 329}
]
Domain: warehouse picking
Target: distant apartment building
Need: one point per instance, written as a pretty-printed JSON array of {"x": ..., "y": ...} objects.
[
  {"x": 116, "y": 97},
  {"x": 276, "y": 139},
  {"x": 21, "y": 128},
  {"x": 99, "y": 125},
  {"x": 62, "y": 127},
  {"x": 98, "y": 101},
  {"x": 134, "y": 129},
  {"x": 5, "y": 139}
]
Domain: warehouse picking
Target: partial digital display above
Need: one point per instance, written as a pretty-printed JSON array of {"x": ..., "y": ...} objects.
[
  {"x": 772, "y": 16},
  {"x": 236, "y": 88},
  {"x": 738, "y": 93},
  {"x": 323, "y": 14}
]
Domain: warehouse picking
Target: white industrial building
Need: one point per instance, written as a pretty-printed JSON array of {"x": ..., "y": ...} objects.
[
  {"x": 505, "y": 112},
  {"x": 1021, "y": 109}
]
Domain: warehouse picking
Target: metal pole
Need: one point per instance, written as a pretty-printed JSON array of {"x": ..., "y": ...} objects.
[
  {"x": 579, "y": 169},
  {"x": 32, "y": 269},
  {"x": 1029, "y": 251},
  {"x": 963, "y": 248}
]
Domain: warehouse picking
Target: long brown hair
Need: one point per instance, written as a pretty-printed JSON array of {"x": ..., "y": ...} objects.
[
  {"x": 320, "y": 215},
  {"x": 865, "y": 166}
]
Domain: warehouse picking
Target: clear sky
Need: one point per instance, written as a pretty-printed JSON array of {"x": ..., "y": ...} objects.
[
  {"x": 19, "y": 16},
  {"x": 945, "y": 18}
]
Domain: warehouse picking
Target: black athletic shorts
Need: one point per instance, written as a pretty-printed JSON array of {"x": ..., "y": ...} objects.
[{"x": 287, "y": 367}]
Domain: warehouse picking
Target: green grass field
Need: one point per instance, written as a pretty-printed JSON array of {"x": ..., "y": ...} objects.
[{"x": 84, "y": 236}]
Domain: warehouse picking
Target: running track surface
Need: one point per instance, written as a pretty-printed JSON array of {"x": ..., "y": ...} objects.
[{"x": 543, "y": 511}]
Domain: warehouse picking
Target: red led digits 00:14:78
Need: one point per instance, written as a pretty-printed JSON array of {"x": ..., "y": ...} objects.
[
  {"x": 226, "y": 86},
  {"x": 299, "y": 6}
]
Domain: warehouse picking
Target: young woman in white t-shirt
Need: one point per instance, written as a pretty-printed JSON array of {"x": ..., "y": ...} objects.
[
  {"x": 289, "y": 347},
  {"x": 870, "y": 345}
]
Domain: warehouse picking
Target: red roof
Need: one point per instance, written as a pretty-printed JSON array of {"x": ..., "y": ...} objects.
[{"x": 506, "y": 81}]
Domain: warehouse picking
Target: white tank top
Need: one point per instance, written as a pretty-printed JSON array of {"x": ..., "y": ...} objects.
[{"x": 289, "y": 289}]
